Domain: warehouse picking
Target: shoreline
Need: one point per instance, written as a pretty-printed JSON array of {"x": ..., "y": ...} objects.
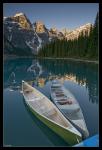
[
  {"x": 75, "y": 59},
  {"x": 5, "y": 57}
]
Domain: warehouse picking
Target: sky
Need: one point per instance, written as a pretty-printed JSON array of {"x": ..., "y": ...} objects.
[{"x": 59, "y": 15}]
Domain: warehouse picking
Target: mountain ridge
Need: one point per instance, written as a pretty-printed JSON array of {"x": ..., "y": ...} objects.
[{"x": 21, "y": 34}]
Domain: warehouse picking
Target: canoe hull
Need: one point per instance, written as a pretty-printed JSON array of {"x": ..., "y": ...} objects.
[
  {"x": 68, "y": 136},
  {"x": 84, "y": 131}
]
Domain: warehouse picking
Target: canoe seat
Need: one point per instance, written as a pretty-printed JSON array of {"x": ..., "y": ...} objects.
[
  {"x": 33, "y": 99},
  {"x": 65, "y": 102}
]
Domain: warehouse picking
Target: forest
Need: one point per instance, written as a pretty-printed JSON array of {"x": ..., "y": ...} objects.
[{"x": 85, "y": 47}]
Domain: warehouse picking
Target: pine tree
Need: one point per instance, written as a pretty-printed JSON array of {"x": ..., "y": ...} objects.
[{"x": 85, "y": 46}]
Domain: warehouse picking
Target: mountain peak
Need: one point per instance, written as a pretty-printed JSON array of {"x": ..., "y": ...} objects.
[
  {"x": 19, "y": 14},
  {"x": 22, "y": 20},
  {"x": 39, "y": 27},
  {"x": 53, "y": 30},
  {"x": 86, "y": 25},
  {"x": 76, "y": 32}
]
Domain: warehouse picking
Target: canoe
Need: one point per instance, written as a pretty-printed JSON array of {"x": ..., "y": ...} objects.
[
  {"x": 68, "y": 105},
  {"x": 49, "y": 114},
  {"x": 90, "y": 142}
]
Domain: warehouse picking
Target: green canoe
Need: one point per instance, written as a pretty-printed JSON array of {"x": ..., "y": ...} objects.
[{"x": 50, "y": 115}]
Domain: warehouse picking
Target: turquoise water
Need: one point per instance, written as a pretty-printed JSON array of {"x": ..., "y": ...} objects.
[{"x": 20, "y": 126}]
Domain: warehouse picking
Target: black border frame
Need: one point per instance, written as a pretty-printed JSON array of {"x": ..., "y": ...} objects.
[{"x": 1, "y": 69}]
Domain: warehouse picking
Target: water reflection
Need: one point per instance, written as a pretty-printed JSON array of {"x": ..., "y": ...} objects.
[
  {"x": 53, "y": 137},
  {"x": 39, "y": 72}
]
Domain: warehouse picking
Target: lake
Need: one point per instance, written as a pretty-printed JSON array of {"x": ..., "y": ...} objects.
[{"x": 20, "y": 126}]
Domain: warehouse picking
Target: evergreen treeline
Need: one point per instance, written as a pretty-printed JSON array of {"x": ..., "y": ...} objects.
[{"x": 86, "y": 46}]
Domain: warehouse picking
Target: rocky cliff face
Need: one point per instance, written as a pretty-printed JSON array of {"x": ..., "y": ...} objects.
[
  {"x": 75, "y": 33},
  {"x": 23, "y": 38},
  {"x": 19, "y": 34},
  {"x": 19, "y": 38},
  {"x": 22, "y": 20},
  {"x": 65, "y": 31},
  {"x": 40, "y": 27},
  {"x": 55, "y": 34},
  {"x": 42, "y": 32}
]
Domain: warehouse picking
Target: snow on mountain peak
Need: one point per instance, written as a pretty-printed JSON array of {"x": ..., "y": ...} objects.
[
  {"x": 18, "y": 14},
  {"x": 4, "y": 17}
]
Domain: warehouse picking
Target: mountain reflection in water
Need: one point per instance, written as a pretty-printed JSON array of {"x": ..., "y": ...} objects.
[{"x": 40, "y": 71}]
